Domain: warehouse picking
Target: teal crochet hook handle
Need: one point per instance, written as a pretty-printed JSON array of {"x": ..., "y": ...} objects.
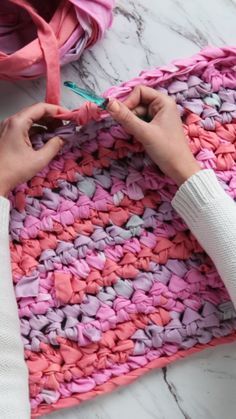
[{"x": 87, "y": 94}]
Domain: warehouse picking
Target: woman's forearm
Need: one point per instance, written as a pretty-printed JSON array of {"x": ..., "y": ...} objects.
[
  {"x": 14, "y": 397},
  {"x": 211, "y": 216}
]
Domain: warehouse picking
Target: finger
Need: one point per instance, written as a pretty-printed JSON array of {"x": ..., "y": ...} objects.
[
  {"x": 48, "y": 152},
  {"x": 157, "y": 107},
  {"x": 130, "y": 122},
  {"x": 140, "y": 111},
  {"x": 36, "y": 112},
  {"x": 143, "y": 95}
]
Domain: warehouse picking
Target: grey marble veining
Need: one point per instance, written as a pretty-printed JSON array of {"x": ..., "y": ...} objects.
[{"x": 147, "y": 33}]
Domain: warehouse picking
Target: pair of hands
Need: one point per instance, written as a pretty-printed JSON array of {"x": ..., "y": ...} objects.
[{"x": 162, "y": 137}]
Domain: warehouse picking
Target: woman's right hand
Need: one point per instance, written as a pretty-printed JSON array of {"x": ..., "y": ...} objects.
[{"x": 163, "y": 137}]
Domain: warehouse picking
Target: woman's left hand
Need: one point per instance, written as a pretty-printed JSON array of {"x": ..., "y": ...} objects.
[{"x": 19, "y": 162}]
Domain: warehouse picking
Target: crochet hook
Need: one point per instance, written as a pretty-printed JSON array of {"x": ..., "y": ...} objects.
[{"x": 87, "y": 94}]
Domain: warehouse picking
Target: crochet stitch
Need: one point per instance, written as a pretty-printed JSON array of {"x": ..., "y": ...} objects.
[{"x": 109, "y": 281}]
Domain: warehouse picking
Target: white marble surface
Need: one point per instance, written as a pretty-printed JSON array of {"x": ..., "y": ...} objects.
[{"x": 147, "y": 33}]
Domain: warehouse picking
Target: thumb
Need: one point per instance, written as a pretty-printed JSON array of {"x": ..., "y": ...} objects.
[
  {"x": 48, "y": 151},
  {"x": 129, "y": 121}
]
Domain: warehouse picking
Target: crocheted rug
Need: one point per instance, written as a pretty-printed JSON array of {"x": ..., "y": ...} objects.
[{"x": 109, "y": 281}]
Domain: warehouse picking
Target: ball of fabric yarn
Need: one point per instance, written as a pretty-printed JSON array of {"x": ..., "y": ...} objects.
[
  {"x": 36, "y": 36},
  {"x": 110, "y": 283}
]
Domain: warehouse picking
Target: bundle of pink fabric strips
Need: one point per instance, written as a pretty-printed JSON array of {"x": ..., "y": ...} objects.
[
  {"x": 109, "y": 281},
  {"x": 36, "y": 36}
]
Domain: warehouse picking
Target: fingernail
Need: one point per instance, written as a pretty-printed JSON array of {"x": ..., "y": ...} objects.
[{"x": 113, "y": 106}]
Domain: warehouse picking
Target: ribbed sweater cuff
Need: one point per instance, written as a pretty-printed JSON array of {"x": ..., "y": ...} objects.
[
  {"x": 198, "y": 191},
  {"x": 4, "y": 215}
]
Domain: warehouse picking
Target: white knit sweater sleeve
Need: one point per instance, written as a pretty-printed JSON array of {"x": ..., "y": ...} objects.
[
  {"x": 14, "y": 397},
  {"x": 211, "y": 216}
]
